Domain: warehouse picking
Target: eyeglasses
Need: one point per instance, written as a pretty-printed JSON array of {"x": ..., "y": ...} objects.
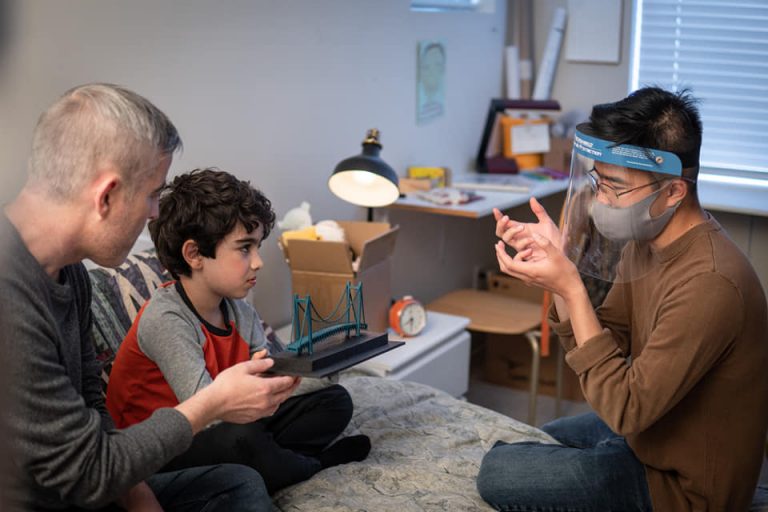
[{"x": 598, "y": 186}]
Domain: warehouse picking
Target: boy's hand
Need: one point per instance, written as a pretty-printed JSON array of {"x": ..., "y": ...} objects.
[
  {"x": 239, "y": 394},
  {"x": 247, "y": 395},
  {"x": 261, "y": 354}
]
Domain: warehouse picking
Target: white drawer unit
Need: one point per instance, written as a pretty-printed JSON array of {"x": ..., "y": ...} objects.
[{"x": 445, "y": 367}]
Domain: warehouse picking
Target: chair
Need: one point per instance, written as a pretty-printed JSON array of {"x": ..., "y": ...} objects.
[{"x": 508, "y": 307}]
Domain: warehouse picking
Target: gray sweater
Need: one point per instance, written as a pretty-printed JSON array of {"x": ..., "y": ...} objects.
[{"x": 64, "y": 448}]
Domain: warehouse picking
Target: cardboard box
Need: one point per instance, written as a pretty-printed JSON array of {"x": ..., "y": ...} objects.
[
  {"x": 504, "y": 284},
  {"x": 559, "y": 155},
  {"x": 321, "y": 269},
  {"x": 508, "y": 363},
  {"x": 508, "y": 358}
]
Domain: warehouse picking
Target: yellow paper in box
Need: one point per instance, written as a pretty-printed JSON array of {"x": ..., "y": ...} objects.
[
  {"x": 299, "y": 234},
  {"x": 439, "y": 175}
]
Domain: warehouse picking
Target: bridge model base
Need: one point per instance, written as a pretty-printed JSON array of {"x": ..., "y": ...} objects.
[{"x": 333, "y": 355}]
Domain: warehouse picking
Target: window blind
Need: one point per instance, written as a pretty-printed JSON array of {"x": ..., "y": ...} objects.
[{"x": 719, "y": 50}]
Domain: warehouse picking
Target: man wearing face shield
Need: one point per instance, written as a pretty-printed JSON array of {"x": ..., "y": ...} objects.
[{"x": 673, "y": 361}]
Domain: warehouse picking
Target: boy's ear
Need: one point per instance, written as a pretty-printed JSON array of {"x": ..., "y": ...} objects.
[{"x": 190, "y": 251}]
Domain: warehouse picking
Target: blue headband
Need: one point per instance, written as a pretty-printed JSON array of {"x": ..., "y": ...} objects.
[{"x": 625, "y": 155}]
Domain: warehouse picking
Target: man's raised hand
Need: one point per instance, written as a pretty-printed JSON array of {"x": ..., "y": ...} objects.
[{"x": 518, "y": 235}]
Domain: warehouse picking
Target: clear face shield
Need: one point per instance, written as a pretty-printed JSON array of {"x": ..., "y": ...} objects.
[{"x": 608, "y": 211}]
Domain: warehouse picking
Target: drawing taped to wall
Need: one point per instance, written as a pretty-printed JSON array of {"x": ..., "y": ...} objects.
[{"x": 431, "y": 81}]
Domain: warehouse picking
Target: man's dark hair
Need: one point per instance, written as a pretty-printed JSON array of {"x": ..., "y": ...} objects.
[
  {"x": 205, "y": 205},
  {"x": 653, "y": 118}
]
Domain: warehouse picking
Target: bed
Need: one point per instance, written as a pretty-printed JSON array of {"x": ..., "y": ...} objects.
[
  {"x": 426, "y": 445},
  {"x": 426, "y": 452}
]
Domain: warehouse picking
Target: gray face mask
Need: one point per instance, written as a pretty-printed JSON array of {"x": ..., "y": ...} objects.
[{"x": 632, "y": 222}]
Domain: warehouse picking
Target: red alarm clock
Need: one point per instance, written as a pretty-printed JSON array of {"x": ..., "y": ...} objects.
[{"x": 407, "y": 316}]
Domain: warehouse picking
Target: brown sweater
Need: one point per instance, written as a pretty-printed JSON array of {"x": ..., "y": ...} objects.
[{"x": 692, "y": 401}]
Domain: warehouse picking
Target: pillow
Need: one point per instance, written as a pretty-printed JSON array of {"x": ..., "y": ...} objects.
[{"x": 118, "y": 294}]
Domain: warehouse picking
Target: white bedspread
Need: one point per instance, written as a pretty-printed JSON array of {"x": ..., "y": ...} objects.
[{"x": 426, "y": 451}]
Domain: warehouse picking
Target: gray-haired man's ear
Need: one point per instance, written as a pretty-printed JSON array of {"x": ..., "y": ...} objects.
[{"x": 104, "y": 192}]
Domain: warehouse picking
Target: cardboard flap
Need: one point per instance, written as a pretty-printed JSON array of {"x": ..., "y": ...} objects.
[
  {"x": 358, "y": 233},
  {"x": 378, "y": 249},
  {"x": 312, "y": 256}
]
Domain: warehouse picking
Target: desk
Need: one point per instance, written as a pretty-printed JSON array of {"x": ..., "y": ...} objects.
[
  {"x": 490, "y": 199},
  {"x": 438, "y": 357},
  {"x": 499, "y": 313}
]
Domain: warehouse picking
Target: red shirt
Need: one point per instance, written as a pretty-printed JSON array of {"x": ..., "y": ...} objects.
[{"x": 137, "y": 386}]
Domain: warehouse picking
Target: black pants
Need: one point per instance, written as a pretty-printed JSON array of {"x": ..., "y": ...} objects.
[{"x": 280, "y": 447}]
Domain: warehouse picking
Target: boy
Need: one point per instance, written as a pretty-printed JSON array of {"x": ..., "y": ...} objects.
[{"x": 208, "y": 234}]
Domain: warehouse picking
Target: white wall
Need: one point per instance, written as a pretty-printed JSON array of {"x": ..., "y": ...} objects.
[
  {"x": 275, "y": 91},
  {"x": 579, "y": 85}
]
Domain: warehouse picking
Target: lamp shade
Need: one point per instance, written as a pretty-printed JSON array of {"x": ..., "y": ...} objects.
[{"x": 365, "y": 179}]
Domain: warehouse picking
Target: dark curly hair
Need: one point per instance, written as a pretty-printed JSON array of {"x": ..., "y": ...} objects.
[{"x": 205, "y": 205}]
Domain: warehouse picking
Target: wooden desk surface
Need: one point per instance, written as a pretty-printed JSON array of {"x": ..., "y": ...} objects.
[
  {"x": 490, "y": 312},
  {"x": 490, "y": 199}
]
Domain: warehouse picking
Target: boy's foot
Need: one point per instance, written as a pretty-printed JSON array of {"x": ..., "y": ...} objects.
[{"x": 349, "y": 449}]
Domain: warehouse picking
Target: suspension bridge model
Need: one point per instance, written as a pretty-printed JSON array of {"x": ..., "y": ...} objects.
[{"x": 323, "y": 345}]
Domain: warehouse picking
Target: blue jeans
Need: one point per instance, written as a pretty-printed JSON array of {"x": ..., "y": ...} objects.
[
  {"x": 223, "y": 487},
  {"x": 592, "y": 470}
]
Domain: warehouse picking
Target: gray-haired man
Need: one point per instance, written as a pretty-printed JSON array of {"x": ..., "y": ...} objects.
[{"x": 99, "y": 159}]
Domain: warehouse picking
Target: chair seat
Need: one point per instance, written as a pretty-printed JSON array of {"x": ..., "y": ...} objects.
[{"x": 490, "y": 312}]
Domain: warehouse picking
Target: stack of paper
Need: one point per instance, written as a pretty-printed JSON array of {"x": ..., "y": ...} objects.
[
  {"x": 501, "y": 182},
  {"x": 449, "y": 196}
]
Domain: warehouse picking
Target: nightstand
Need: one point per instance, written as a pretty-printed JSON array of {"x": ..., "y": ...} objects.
[{"x": 438, "y": 357}]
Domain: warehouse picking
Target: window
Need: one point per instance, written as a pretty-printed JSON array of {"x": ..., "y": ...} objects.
[
  {"x": 446, "y": 5},
  {"x": 719, "y": 50}
]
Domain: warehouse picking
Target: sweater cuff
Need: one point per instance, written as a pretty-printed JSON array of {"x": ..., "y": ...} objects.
[
  {"x": 564, "y": 330},
  {"x": 594, "y": 350},
  {"x": 175, "y": 429}
]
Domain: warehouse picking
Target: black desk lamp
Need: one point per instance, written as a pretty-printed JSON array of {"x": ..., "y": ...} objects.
[{"x": 366, "y": 179}]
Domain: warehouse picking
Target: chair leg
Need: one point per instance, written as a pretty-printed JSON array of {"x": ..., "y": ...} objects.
[
  {"x": 559, "y": 379},
  {"x": 533, "y": 339}
]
